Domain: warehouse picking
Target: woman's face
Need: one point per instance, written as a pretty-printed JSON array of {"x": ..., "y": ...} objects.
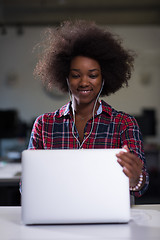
[{"x": 85, "y": 79}]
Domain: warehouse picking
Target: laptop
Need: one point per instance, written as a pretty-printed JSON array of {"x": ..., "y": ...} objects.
[{"x": 74, "y": 187}]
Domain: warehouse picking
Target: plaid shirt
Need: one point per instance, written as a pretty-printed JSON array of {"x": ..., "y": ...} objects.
[{"x": 112, "y": 129}]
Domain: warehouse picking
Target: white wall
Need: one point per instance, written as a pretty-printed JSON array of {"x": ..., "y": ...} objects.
[
  {"x": 18, "y": 88},
  {"x": 144, "y": 86}
]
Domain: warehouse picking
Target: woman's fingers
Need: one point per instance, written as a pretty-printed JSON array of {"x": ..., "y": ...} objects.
[{"x": 131, "y": 164}]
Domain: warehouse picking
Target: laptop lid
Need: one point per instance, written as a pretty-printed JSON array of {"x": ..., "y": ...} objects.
[{"x": 74, "y": 186}]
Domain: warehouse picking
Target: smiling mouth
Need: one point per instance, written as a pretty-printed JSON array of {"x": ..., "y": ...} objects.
[{"x": 84, "y": 90}]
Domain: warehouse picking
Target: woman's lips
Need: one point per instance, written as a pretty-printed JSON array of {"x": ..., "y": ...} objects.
[{"x": 84, "y": 91}]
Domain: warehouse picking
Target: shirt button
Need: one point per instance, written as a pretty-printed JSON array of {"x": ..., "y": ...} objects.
[{"x": 85, "y": 133}]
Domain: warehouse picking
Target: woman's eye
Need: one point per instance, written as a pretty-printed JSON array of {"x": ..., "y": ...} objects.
[
  {"x": 75, "y": 76},
  {"x": 93, "y": 76}
]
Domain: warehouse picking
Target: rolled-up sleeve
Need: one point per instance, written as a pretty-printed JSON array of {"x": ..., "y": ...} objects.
[{"x": 132, "y": 137}]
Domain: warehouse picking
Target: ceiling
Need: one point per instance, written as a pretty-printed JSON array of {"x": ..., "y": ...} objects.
[{"x": 51, "y": 12}]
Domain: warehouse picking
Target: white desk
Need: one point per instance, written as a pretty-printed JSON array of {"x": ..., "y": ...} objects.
[
  {"x": 10, "y": 171},
  {"x": 10, "y": 174},
  {"x": 145, "y": 224}
]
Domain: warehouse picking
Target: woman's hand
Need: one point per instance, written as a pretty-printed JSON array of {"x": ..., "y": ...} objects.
[{"x": 131, "y": 164}]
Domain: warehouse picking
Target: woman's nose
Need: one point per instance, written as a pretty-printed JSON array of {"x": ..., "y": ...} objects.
[{"x": 84, "y": 81}]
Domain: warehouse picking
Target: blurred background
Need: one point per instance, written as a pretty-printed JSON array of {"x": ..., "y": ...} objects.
[{"x": 22, "y": 98}]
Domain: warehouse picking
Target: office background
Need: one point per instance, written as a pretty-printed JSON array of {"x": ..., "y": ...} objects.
[{"x": 22, "y": 98}]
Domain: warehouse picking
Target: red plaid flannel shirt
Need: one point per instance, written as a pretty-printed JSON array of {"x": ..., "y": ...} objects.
[{"x": 112, "y": 129}]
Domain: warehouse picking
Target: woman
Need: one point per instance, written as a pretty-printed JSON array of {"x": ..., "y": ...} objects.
[{"x": 88, "y": 62}]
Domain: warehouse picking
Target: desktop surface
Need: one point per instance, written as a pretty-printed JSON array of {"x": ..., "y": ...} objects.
[{"x": 145, "y": 224}]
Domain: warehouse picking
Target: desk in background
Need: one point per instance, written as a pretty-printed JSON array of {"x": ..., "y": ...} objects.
[{"x": 10, "y": 174}]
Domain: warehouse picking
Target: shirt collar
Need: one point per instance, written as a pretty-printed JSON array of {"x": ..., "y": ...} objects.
[
  {"x": 103, "y": 107},
  {"x": 106, "y": 108},
  {"x": 65, "y": 110}
]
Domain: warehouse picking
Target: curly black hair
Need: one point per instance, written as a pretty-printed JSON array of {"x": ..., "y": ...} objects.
[{"x": 83, "y": 38}]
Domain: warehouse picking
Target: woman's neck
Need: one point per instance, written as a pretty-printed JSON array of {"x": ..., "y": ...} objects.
[{"x": 84, "y": 110}]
